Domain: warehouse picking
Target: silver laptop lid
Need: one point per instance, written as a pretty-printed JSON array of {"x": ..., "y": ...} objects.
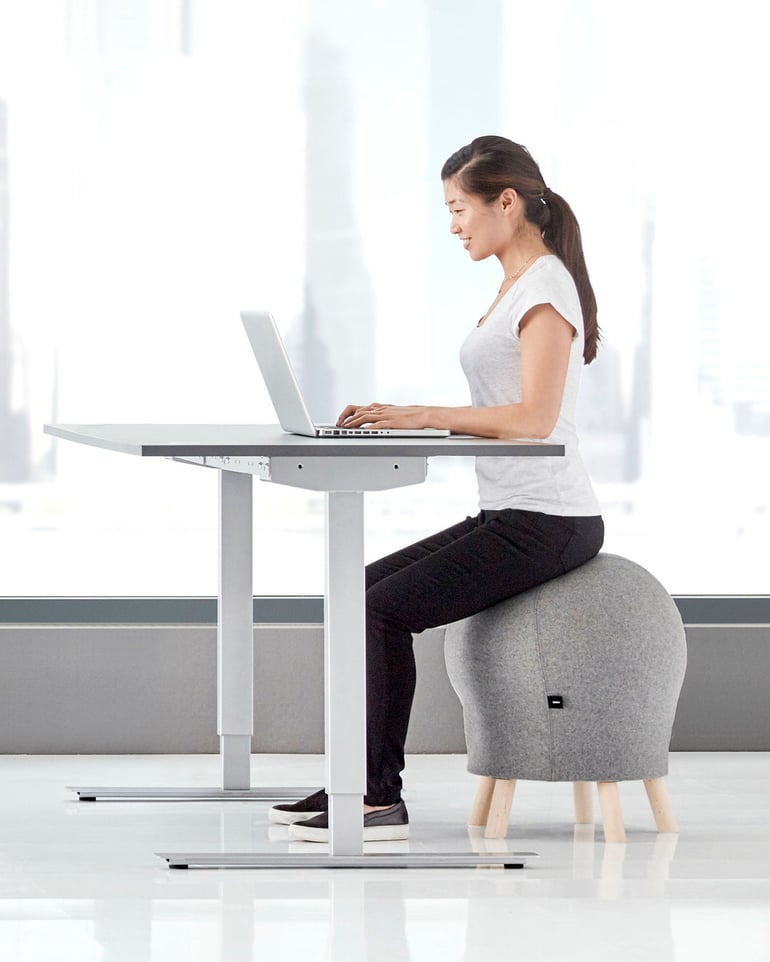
[
  {"x": 285, "y": 392},
  {"x": 278, "y": 373}
]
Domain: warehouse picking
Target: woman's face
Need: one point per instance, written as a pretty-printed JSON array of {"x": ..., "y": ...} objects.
[{"x": 484, "y": 229}]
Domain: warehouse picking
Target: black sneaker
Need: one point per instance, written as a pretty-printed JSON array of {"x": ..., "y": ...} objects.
[
  {"x": 305, "y": 808},
  {"x": 388, "y": 825}
]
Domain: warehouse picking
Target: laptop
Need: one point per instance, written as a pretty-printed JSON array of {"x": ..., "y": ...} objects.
[{"x": 281, "y": 383}]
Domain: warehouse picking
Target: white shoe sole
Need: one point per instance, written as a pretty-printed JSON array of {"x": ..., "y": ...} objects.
[
  {"x": 288, "y": 818},
  {"x": 374, "y": 833}
]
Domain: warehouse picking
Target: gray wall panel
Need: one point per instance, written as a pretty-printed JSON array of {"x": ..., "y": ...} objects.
[
  {"x": 107, "y": 690},
  {"x": 724, "y": 700},
  {"x": 152, "y": 689}
]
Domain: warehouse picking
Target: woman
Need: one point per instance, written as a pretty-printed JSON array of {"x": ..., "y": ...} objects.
[{"x": 538, "y": 517}]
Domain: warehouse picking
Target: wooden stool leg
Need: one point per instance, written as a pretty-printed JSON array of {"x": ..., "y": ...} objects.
[
  {"x": 660, "y": 803},
  {"x": 500, "y": 809},
  {"x": 482, "y": 801},
  {"x": 612, "y": 816},
  {"x": 584, "y": 803}
]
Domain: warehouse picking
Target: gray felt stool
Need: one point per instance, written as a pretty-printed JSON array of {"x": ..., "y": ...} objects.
[{"x": 576, "y": 680}]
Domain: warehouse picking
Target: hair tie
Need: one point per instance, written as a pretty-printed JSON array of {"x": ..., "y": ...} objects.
[{"x": 546, "y": 192}]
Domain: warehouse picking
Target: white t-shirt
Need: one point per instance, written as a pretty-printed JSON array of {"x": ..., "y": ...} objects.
[{"x": 491, "y": 359}]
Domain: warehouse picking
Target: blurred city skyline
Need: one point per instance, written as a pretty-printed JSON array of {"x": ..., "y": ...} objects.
[{"x": 172, "y": 166}]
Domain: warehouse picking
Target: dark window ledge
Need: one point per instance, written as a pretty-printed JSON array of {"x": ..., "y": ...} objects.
[{"x": 300, "y": 609}]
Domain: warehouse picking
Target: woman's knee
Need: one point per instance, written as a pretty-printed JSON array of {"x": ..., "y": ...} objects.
[{"x": 385, "y": 611}]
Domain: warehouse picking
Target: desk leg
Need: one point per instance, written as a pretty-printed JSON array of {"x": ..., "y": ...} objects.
[
  {"x": 345, "y": 670},
  {"x": 235, "y": 629},
  {"x": 235, "y": 664},
  {"x": 345, "y": 714}
]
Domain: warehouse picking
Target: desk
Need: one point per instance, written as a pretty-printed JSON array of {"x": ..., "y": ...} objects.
[{"x": 344, "y": 469}]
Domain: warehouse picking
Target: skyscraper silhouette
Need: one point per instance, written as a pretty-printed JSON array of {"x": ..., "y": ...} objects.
[
  {"x": 640, "y": 411},
  {"x": 465, "y": 101},
  {"x": 335, "y": 354},
  {"x": 15, "y": 455}
]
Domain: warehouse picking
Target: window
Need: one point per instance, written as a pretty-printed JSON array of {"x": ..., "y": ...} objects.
[{"x": 168, "y": 163}]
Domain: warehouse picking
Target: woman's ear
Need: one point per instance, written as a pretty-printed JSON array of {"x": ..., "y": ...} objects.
[{"x": 508, "y": 199}]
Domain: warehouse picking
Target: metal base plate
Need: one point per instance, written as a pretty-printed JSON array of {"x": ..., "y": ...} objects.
[
  {"x": 273, "y": 860},
  {"x": 136, "y": 794}
]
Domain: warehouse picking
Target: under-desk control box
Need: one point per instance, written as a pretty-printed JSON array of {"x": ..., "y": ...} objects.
[
  {"x": 259, "y": 466},
  {"x": 323, "y": 473}
]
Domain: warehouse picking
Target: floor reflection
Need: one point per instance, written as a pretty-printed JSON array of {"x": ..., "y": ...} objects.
[{"x": 81, "y": 882}]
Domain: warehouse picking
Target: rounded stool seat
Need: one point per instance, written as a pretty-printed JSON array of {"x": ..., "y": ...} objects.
[{"x": 575, "y": 680}]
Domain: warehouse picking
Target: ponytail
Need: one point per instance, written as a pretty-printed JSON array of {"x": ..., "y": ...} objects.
[
  {"x": 487, "y": 166},
  {"x": 561, "y": 233}
]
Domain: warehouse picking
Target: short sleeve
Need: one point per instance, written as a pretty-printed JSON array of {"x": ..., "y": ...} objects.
[{"x": 554, "y": 287}]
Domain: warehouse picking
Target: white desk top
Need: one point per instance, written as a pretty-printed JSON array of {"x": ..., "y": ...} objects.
[{"x": 268, "y": 440}]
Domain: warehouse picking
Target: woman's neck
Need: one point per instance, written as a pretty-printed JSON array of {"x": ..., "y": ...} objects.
[{"x": 520, "y": 253}]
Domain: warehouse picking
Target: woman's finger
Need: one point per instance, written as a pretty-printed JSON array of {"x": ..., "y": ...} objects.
[{"x": 348, "y": 412}]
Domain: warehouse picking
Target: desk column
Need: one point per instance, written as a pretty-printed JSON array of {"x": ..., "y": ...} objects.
[
  {"x": 345, "y": 670},
  {"x": 235, "y": 629}
]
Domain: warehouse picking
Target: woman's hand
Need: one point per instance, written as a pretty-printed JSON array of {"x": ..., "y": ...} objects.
[{"x": 384, "y": 416}]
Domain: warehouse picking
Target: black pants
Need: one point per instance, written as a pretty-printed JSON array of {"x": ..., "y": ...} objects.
[{"x": 448, "y": 576}]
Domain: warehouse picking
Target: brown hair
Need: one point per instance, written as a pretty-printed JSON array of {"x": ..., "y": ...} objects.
[{"x": 486, "y": 166}]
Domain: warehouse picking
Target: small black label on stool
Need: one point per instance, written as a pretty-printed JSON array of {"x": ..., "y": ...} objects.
[{"x": 555, "y": 701}]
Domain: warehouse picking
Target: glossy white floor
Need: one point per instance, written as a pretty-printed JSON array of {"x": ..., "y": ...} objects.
[{"x": 80, "y": 881}]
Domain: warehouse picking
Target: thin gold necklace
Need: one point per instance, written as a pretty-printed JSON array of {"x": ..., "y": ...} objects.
[{"x": 512, "y": 277}]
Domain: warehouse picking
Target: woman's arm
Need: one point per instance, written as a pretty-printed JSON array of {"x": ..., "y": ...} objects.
[{"x": 546, "y": 338}]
